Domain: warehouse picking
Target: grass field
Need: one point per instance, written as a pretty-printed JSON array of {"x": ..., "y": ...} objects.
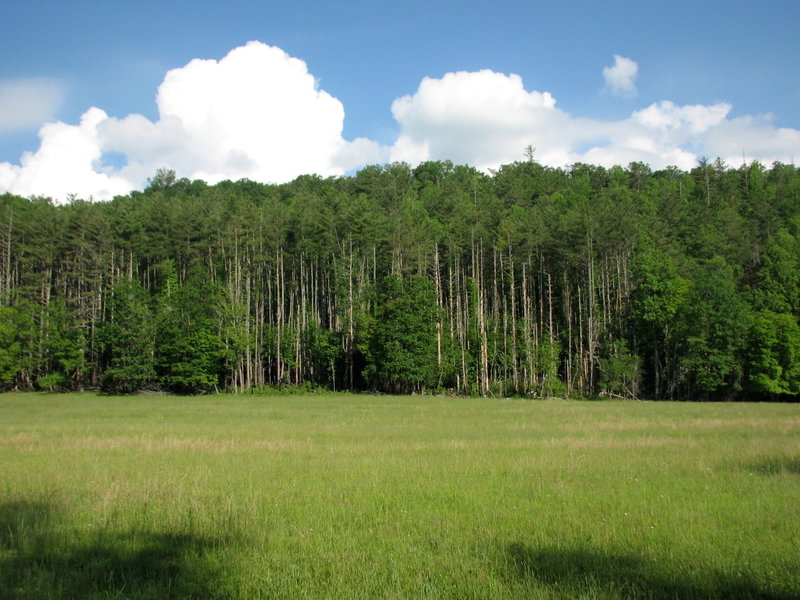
[{"x": 343, "y": 496}]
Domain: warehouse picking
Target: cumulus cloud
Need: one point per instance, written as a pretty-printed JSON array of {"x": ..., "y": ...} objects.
[
  {"x": 752, "y": 138},
  {"x": 28, "y": 103},
  {"x": 256, "y": 113},
  {"x": 64, "y": 164},
  {"x": 486, "y": 119},
  {"x": 476, "y": 118},
  {"x": 621, "y": 78}
]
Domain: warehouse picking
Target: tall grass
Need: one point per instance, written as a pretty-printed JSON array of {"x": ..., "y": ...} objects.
[{"x": 343, "y": 496}]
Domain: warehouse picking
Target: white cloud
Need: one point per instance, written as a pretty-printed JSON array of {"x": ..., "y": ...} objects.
[
  {"x": 258, "y": 113},
  {"x": 486, "y": 119},
  {"x": 621, "y": 78},
  {"x": 690, "y": 120},
  {"x": 752, "y": 137},
  {"x": 28, "y": 103},
  {"x": 64, "y": 164},
  {"x": 477, "y": 118}
]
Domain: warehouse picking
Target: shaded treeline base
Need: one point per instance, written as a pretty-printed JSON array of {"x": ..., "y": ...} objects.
[{"x": 531, "y": 281}]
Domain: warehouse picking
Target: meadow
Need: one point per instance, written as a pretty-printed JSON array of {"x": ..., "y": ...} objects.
[{"x": 358, "y": 496}]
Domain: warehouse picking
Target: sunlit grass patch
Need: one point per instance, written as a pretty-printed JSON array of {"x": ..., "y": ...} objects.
[{"x": 341, "y": 496}]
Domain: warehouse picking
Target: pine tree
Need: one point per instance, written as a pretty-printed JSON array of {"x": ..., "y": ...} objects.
[{"x": 128, "y": 340}]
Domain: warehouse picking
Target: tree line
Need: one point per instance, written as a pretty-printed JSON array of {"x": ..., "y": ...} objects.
[{"x": 529, "y": 280}]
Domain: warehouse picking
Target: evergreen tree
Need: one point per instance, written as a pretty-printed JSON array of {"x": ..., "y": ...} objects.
[
  {"x": 531, "y": 282},
  {"x": 127, "y": 337},
  {"x": 713, "y": 322},
  {"x": 402, "y": 350},
  {"x": 189, "y": 354},
  {"x": 658, "y": 295},
  {"x": 63, "y": 347},
  {"x": 13, "y": 331}
]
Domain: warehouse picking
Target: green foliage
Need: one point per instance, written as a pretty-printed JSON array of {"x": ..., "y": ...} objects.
[
  {"x": 64, "y": 348},
  {"x": 658, "y": 296},
  {"x": 162, "y": 180},
  {"x": 189, "y": 353},
  {"x": 14, "y": 327},
  {"x": 619, "y": 370},
  {"x": 324, "y": 350},
  {"x": 547, "y": 365},
  {"x": 402, "y": 350},
  {"x": 772, "y": 355},
  {"x": 530, "y": 272},
  {"x": 713, "y": 323},
  {"x": 128, "y": 337},
  {"x": 52, "y": 382},
  {"x": 659, "y": 290},
  {"x": 778, "y": 286}
]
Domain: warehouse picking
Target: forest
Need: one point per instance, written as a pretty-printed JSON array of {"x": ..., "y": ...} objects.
[{"x": 526, "y": 281}]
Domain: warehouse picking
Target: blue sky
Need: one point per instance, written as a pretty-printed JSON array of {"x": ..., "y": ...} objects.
[{"x": 700, "y": 76}]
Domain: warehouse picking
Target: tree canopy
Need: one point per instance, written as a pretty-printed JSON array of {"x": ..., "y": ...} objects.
[{"x": 530, "y": 280}]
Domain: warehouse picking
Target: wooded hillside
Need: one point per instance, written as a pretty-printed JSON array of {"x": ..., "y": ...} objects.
[{"x": 532, "y": 281}]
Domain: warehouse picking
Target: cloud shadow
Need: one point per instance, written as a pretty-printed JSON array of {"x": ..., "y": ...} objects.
[
  {"x": 38, "y": 559},
  {"x": 573, "y": 573},
  {"x": 776, "y": 465}
]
